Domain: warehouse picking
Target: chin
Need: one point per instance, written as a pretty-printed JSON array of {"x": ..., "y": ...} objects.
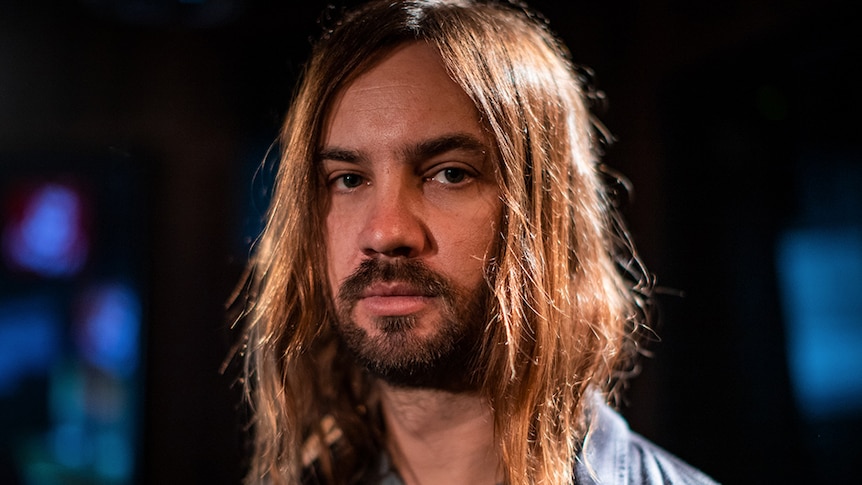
[{"x": 397, "y": 355}]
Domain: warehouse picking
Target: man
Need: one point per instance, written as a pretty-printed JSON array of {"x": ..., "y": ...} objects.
[{"x": 443, "y": 293}]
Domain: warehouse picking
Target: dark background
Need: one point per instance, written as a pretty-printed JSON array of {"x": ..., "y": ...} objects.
[{"x": 735, "y": 121}]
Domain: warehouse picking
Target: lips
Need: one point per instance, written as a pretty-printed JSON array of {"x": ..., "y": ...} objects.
[
  {"x": 391, "y": 299},
  {"x": 392, "y": 289},
  {"x": 380, "y": 289}
]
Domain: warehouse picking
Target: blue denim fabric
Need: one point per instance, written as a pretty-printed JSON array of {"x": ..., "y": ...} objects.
[{"x": 614, "y": 455}]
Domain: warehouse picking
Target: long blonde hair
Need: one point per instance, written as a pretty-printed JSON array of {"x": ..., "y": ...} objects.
[{"x": 568, "y": 292}]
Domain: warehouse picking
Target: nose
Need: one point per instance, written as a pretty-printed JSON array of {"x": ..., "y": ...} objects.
[{"x": 394, "y": 226}]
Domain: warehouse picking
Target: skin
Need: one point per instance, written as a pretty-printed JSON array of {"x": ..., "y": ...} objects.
[{"x": 411, "y": 177}]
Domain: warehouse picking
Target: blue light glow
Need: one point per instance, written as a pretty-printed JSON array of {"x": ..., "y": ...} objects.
[
  {"x": 114, "y": 454},
  {"x": 70, "y": 322},
  {"x": 108, "y": 327},
  {"x": 71, "y": 445},
  {"x": 820, "y": 273},
  {"x": 29, "y": 341}
]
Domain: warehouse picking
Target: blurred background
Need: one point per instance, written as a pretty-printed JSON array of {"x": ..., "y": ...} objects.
[{"x": 131, "y": 132}]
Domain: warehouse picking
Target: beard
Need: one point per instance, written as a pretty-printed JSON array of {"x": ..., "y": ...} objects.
[{"x": 444, "y": 360}]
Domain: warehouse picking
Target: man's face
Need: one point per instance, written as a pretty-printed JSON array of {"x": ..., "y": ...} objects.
[{"x": 413, "y": 212}]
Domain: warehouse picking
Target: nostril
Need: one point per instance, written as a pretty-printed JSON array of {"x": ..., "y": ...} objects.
[
  {"x": 400, "y": 251},
  {"x": 397, "y": 252}
]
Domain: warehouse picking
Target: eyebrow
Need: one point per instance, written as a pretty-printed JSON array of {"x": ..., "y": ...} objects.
[
  {"x": 414, "y": 153},
  {"x": 446, "y": 143}
]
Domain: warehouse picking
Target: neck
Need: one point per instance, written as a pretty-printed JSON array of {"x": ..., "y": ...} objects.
[{"x": 440, "y": 437}]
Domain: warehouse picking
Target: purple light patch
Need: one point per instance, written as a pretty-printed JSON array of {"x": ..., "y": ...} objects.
[{"x": 45, "y": 231}]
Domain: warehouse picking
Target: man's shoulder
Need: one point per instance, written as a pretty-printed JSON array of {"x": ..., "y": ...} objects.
[{"x": 612, "y": 454}]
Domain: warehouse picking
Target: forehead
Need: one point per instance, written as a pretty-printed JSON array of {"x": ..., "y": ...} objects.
[{"x": 407, "y": 92}]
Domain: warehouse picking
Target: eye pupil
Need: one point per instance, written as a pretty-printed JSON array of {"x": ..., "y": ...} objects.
[
  {"x": 453, "y": 175},
  {"x": 351, "y": 180}
]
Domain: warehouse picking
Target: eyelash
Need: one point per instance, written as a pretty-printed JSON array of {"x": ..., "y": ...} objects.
[
  {"x": 341, "y": 179},
  {"x": 464, "y": 177}
]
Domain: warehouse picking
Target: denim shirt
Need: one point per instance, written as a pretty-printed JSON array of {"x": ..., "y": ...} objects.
[{"x": 613, "y": 454}]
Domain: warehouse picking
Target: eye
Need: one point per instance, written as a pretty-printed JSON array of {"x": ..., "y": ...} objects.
[
  {"x": 348, "y": 181},
  {"x": 451, "y": 175}
]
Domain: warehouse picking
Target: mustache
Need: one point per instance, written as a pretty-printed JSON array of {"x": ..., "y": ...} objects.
[{"x": 412, "y": 272}]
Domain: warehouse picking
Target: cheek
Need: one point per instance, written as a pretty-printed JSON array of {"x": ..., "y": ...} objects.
[
  {"x": 473, "y": 242},
  {"x": 486, "y": 225},
  {"x": 336, "y": 252}
]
